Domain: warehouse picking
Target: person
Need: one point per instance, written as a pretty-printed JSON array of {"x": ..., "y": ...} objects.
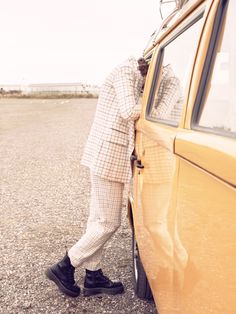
[
  {"x": 107, "y": 155},
  {"x": 169, "y": 100}
]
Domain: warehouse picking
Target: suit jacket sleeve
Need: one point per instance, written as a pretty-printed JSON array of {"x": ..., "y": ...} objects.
[
  {"x": 169, "y": 97},
  {"x": 124, "y": 85}
]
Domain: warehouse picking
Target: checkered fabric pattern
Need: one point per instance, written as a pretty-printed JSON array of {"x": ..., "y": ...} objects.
[
  {"x": 169, "y": 100},
  {"x": 104, "y": 219},
  {"x": 111, "y": 139}
]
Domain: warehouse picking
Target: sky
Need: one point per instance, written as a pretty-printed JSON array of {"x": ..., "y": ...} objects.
[{"x": 68, "y": 41}]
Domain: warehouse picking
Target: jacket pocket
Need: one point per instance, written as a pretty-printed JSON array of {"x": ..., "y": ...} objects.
[{"x": 117, "y": 137}]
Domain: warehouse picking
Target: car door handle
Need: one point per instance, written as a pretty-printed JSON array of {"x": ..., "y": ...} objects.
[{"x": 139, "y": 164}]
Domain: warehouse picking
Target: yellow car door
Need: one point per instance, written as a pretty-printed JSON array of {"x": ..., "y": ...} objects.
[{"x": 165, "y": 98}]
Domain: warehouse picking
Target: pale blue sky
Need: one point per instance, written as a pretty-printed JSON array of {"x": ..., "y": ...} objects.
[{"x": 71, "y": 40}]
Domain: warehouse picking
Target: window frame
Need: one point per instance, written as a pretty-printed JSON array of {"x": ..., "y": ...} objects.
[
  {"x": 206, "y": 75},
  {"x": 159, "y": 61}
]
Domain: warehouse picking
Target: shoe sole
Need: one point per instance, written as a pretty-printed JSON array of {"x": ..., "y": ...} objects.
[
  {"x": 51, "y": 276},
  {"x": 87, "y": 292}
]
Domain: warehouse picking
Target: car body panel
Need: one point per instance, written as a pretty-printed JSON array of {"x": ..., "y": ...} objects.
[
  {"x": 184, "y": 198},
  {"x": 209, "y": 152}
]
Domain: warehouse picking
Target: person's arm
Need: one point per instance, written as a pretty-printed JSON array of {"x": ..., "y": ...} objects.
[
  {"x": 169, "y": 97},
  {"x": 125, "y": 94}
]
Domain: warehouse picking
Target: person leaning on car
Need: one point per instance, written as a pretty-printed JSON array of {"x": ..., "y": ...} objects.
[{"x": 107, "y": 155}]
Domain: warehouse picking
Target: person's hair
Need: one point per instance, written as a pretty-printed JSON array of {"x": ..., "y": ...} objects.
[{"x": 142, "y": 61}]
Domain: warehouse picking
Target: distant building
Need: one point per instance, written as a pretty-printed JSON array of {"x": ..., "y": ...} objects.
[
  {"x": 64, "y": 88},
  {"x": 61, "y": 88}
]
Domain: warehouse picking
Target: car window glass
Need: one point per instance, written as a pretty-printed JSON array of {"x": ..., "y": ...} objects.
[
  {"x": 177, "y": 62},
  {"x": 219, "y": 111}
]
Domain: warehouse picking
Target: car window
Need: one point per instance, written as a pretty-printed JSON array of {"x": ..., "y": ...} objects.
[
  {"x": 171, "y": 77},
  {"x": 219, "y": 108}
]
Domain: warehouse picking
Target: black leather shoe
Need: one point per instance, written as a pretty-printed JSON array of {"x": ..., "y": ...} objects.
[
  {"x": 96, "y": 283},
  {"x": 62, "y": 274}
]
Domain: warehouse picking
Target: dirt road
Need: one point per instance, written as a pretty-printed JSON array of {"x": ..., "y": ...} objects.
[{"x": 44, "y": 202}]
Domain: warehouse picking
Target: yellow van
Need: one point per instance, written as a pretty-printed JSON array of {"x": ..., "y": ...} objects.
[{"x": 183, "y": 204}]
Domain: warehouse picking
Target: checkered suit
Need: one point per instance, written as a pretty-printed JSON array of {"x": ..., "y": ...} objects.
[
  {"x": 104, "y": 219},
  {"x": 107, "y": 154},
  {"x": 111, "y": 140}
]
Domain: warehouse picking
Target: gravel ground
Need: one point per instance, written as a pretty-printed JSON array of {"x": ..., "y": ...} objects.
[{"x": 44, "y": 202}]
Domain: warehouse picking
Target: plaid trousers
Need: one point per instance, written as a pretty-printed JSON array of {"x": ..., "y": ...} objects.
[{"x": 104, "y": 219}]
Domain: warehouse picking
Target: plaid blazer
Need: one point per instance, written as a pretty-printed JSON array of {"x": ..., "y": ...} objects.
[{"x": 111, "y": 139}]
